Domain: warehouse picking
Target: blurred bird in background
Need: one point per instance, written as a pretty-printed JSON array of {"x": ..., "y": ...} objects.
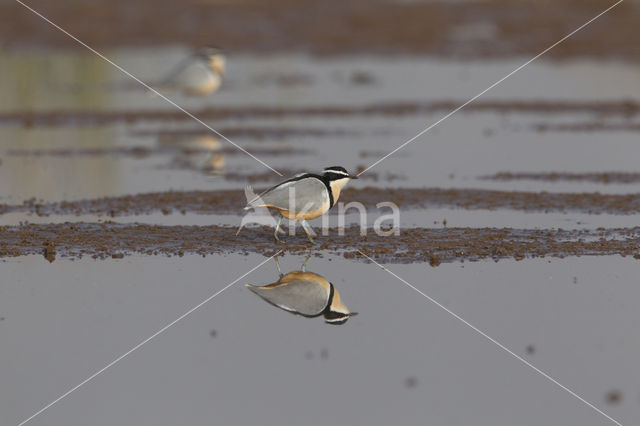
[{"x": 197, "y": 75}]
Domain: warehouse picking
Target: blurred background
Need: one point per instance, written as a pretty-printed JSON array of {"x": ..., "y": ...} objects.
[{"x": 303, "y": 85}]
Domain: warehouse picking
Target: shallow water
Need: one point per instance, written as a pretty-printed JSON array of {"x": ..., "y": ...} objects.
[
  {"x": 454, "y": 154},
  {"x": 238, "y": 360},
  {"x": 402, "y": 359}
]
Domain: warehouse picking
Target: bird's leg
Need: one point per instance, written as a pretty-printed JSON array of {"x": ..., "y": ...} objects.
[
  {"x": 304, "y": 265},
  {"x": 278, "y": 266},
  {"x": 275, "y": 234},
  {"x": 307, "y": 230}
]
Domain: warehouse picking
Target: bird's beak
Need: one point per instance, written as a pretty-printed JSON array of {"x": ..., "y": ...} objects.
[
  {"x": 353, "y": 314},
  {"x": 353, "y": 177}
]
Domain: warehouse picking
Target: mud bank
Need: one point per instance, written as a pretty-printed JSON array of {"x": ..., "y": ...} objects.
[
  {"x": 433, "y": 246},
  {"x": 605, "y": 177},
  {"x": 491, "y": 28},
  {"x": 626, "y": 108},
  {"x": 253, "y": 132},
  {"x": 587, "y": 127},
  {"x": 144, "y": 151},
  {"x": 232, "y": 202}
]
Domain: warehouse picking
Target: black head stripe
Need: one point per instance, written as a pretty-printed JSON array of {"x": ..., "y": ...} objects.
[
  {"x": 335, "y": 176},
  {"x": 337, "y": 169},
  {"x": 335, "y": 316}
]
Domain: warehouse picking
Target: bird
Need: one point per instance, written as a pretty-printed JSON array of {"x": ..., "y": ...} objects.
[
  {"x": 303, "y": 197},
  {"x": 198, "y": 74},
  {"x": 306, "y": 294}
]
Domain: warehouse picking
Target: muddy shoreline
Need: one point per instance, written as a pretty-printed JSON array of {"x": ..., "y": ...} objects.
[
  {"x": 254, "y": 132},
  {"x": 604, "y": 177},
  {"x": 596, "y": 126},
  {"x": 486, "y": 29},
  {"x": 145, "y": 151},
  {"x": 232, "y": 202},
  {"x": 433, "y": 246},
  {"x": 625, "y": 108}
]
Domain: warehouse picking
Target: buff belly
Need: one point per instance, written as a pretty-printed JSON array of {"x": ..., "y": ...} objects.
[{"x": 298, "y": 216}]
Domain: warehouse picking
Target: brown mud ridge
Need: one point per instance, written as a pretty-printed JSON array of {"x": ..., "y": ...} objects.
[
  {"x": 232, "y": 202},
  {"x": 470, "y": 29},
  {"x": 588, "y": 127},
  {"x": 433, "y": 246},
  {"x": 604, "y": 177},
  {"x": 253, "y": 132},
  {"x": 144, "y": 151},
  {"x": 626, "y": 108}
]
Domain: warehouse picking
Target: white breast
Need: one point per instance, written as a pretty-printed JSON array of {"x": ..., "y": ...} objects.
[{"x": 336, "y": 187}]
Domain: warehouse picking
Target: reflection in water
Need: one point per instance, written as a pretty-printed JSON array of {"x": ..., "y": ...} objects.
[
  {"x": 197, "y": 151},
  {"x": 305, "y": 293},
  {"x": 43, "y": 81}
]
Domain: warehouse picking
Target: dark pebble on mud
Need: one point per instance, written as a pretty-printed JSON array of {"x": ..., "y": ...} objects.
[
  {"x": 614, "y": 397},
  {"x": 411, "y": 382},
  {"x": 362, "y": 78}
]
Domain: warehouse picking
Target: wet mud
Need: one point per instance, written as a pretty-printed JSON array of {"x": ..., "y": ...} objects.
[
  {"x": 144, "y": 151},
  {"x": 232, "y": 202},
  {"x": 604, "y": 178},
  {"x": 256, "y": 133},
  {"x": 588, "y": 127},
  {"x": 492, "y": 28},
  {"x": 433, "y": 246},
  {"x": 625, "y": 108}
]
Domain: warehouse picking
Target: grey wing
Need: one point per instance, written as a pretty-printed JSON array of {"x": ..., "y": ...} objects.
[
  {"x": 299, "y": 296},
  {"x": 193, "y": 75},
  {"x": 170, "y": 77},
  {"x": 309, "y": 194}
]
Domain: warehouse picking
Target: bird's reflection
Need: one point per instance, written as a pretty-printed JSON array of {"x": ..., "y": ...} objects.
[
  {"x": 196, "y": 151},
  {"x": 305, "y": 293}
]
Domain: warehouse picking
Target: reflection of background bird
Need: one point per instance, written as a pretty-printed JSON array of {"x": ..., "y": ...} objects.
[
  {"x": 189, "y": 142},
  {"x": 305, "y": 293},
  {"x": 199, "y": 74},
  {"x": 312, "y": 194},
  {"x": 197, "y": 151}
]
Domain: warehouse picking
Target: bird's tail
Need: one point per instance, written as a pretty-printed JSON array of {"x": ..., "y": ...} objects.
[{"x": 253, "y": 200}]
